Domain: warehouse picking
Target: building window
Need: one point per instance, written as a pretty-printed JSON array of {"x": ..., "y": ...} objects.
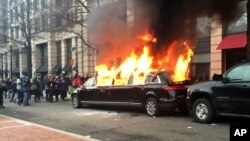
[
  {"x": 6, "y": 62},
  {"x": 234, "y": 57},
  {"x": 44, "y": 3},
  {"x": 200, "y": 71},
  {"x": 45, "y": 22},
  {"x": 16, "y": 14},
  {"x": 67, "y": 3},
  {"x": 17, "y": 32},
  {"x": 44, "y": 54},
  {"x": 76, "y": 57},
  {"x": 58, "y": 20},
  {"x": 11, "y": 17},
  {"x": 59, "y": 50},
  {"x": 36, "y": 5},
  {"x": 59, "y": 3},
  {"x": 11, "y": 32},
  {"x": 22, "y": 33},
  {"x": 239, "y": 25},
  {"x": 17, "y": 58},
  {"x": 79, "y": 15},
  {"x": 68, "y": 50},
  {"x": 91, "y": 60},
  {"x": 37, "y": 25}
]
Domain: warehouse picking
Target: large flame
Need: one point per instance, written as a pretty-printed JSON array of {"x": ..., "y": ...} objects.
[{"x": 137, "y": 65}]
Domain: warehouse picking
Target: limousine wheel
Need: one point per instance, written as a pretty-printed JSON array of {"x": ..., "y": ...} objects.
[
  {"x": 202, "y": 111},
  {"x": 151, "y": 107},
  {"x": 75, "y": 102}
]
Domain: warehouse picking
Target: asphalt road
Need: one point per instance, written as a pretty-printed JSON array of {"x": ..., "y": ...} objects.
[{"x": 119, "y": 124}]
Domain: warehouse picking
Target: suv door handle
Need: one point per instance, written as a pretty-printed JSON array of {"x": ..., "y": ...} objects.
[{"x": 244, "y": 86}]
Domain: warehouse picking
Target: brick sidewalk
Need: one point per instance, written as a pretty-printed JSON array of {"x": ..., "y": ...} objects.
[{"x": 17, "y": 130}]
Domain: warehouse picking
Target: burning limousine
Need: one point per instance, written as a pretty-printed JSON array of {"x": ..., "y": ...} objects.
[
  {"x": 158, "y": 93},
  {"x": 132, "y": 82}
]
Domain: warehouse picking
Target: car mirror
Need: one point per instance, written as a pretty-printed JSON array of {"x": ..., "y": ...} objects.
[
  {"x": 217, "y": 77},
  {"x": 225, "y": 80}
]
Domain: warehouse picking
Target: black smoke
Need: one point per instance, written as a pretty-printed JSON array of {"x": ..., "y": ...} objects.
[{"x": 172, "y": 19}]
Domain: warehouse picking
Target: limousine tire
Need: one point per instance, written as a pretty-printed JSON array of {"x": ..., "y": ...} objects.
[
  {"x": 151, "y": 107},
  {"x": 75, "y": 102},
  {"x": 202, "y": 111}
]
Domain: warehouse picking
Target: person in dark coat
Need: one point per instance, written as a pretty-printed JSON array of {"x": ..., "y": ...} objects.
[
  {"x": 56, "y": 90},
  {"x": 46, "y": 85},
  {"x": 26, "y": 89},
  {"x": 2, "y": 89},
  {"x": 52, "y": 87},
  {"x": 63, "y": 87},
  {"x": 35, "y": 89},
  {"x": 19, "y": 91}
]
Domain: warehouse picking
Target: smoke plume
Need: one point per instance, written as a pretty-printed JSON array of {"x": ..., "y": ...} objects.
[
  {"x": 170, "y": 19},
  {"x": 167, "y": 20}
]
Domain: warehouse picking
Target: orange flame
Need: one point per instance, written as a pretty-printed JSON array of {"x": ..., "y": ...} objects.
[{"x": 135, "y": 67}]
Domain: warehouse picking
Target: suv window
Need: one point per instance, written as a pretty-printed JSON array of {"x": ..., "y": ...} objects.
[{"x": 240, "y": 73}]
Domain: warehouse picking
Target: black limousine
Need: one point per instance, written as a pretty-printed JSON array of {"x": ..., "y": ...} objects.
[{"x": 157, "y": 94}]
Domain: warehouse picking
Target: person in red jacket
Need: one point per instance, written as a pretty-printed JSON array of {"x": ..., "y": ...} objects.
[{"x": 76, "y": 81}]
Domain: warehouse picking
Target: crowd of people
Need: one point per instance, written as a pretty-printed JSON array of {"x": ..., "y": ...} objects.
[{"x": 51, "y": 87}]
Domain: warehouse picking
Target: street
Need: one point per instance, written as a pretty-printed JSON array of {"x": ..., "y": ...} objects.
[{"x": 118, "y": 124}]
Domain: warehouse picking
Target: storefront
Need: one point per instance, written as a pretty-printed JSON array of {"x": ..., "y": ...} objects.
[{"x": 233, "y": 49}]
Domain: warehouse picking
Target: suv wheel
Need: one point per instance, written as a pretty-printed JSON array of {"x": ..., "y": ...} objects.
[
  {"x": 75, "y": 102},
  {"x": 151, "y": 107},
  {"x": 202, "y": 111}
]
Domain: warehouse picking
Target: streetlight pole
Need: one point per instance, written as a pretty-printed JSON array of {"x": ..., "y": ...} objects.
[{"x": 10, "y": 45}]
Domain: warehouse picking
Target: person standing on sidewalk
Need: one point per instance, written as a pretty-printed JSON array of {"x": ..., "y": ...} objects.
[
  {"x": 35, "y": 89},
  {"x": 76, "y": 82},
  {"x": 52, "y": 87},
  {"x": 46, "y": 85},
  {"x": 26, "y": 89},
  {"x": 19, "y": 91},
  {"x": 2, "y": 89},
  {"x": 13, "y": 90},
  {"x": 63, "y": 87}
]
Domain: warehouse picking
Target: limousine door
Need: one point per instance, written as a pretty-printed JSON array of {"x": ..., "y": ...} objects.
[{"x": 121, "y": 94}]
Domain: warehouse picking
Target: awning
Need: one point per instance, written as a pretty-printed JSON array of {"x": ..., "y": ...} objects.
[
  {"x": 6, "y": 71},
  {"x": 233, "y": 41},
  {"x": 57, "y": 68},
  {"x": 43, "y": 68},
  {"x": 25, "y": 70},
  {"x": 66, "y": 68},
  {"x": 75, "y": 67},
  {"x": 16, "y": 70}
]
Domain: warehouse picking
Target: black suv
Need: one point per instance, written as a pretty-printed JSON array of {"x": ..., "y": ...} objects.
[{"x": 225, "y": 95}]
